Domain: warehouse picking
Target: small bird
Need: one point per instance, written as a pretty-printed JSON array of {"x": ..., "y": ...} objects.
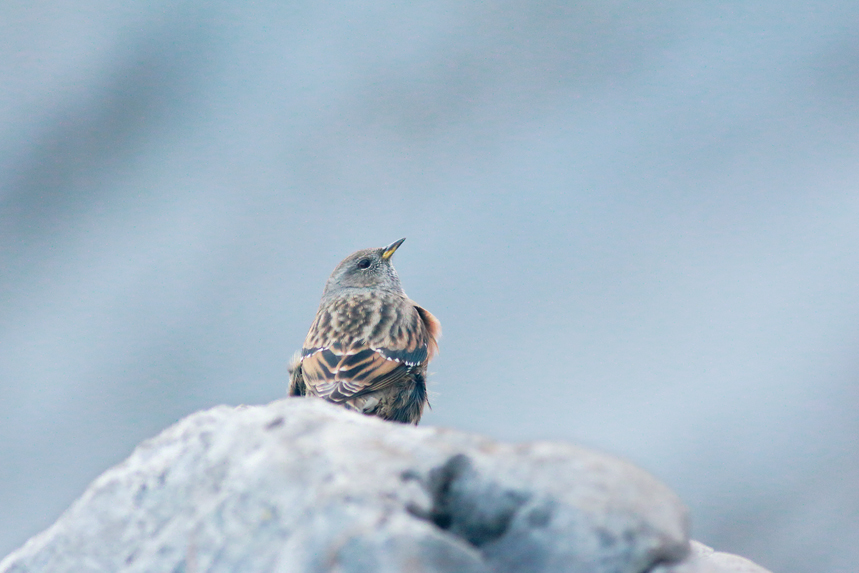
[{"x": 369, "y": 345}]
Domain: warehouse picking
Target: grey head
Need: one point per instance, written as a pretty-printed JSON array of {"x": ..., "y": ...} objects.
[{"x": 369, "y": 269}]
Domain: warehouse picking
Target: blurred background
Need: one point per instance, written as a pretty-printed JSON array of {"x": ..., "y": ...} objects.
[{"x": 637, "y": 222}]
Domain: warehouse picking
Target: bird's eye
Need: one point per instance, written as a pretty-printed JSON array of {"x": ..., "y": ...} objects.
[{"x": 364, "y": 264}]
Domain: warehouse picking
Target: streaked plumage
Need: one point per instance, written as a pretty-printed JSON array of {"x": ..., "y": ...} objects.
[{"x": 369, "y": 345}]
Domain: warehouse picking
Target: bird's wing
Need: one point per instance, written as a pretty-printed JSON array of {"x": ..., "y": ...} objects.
[
  {"x": 433, "y": 330},
  {"x": 396, "y": 340},
  {"x": 296, "y": 377},
  {"x": 338, "y": 375}
]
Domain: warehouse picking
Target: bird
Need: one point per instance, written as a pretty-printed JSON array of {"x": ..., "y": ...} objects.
[{"x": 369, "y": 345}]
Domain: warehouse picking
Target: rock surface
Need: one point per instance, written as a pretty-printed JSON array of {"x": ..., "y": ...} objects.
[{"x": 300, "y": 485}]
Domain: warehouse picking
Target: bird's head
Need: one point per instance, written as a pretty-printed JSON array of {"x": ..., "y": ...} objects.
[{"x": 368, "y": 268}]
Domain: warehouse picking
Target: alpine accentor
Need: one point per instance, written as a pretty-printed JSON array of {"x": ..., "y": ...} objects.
[{"x": 369, "y": 345}]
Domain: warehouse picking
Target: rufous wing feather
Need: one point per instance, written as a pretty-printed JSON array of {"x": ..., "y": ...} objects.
[
  {"x": 433, "y": 328},
  {"x": 340, "y": 376}
]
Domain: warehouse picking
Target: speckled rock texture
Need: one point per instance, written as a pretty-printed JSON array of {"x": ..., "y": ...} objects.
[{"x": 300, "y": 485}]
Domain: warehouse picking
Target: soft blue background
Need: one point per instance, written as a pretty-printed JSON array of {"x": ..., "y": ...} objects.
[{"x": 638, "y": 223}]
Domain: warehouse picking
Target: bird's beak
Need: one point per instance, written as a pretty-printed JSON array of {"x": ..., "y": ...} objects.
[{"x": 391, "y": 249}]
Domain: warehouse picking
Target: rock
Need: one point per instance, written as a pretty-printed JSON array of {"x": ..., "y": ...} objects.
[
  {"x": 724, "y": 562},
  {"x": 301, "y": 485},
  {"x": 703, "y": 559}
]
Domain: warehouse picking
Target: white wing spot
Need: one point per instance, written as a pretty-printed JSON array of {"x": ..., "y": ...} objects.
[{"x": 382, "y": 354}]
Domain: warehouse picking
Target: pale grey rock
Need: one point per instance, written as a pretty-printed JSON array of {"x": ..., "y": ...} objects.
[
  {"x": 303, "y": 486},
  {"x": 724, "y": 562},
  {"x": 704, "y": 559}
]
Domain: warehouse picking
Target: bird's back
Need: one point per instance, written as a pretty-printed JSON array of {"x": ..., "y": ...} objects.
[{"x": 368, "y": 350}]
